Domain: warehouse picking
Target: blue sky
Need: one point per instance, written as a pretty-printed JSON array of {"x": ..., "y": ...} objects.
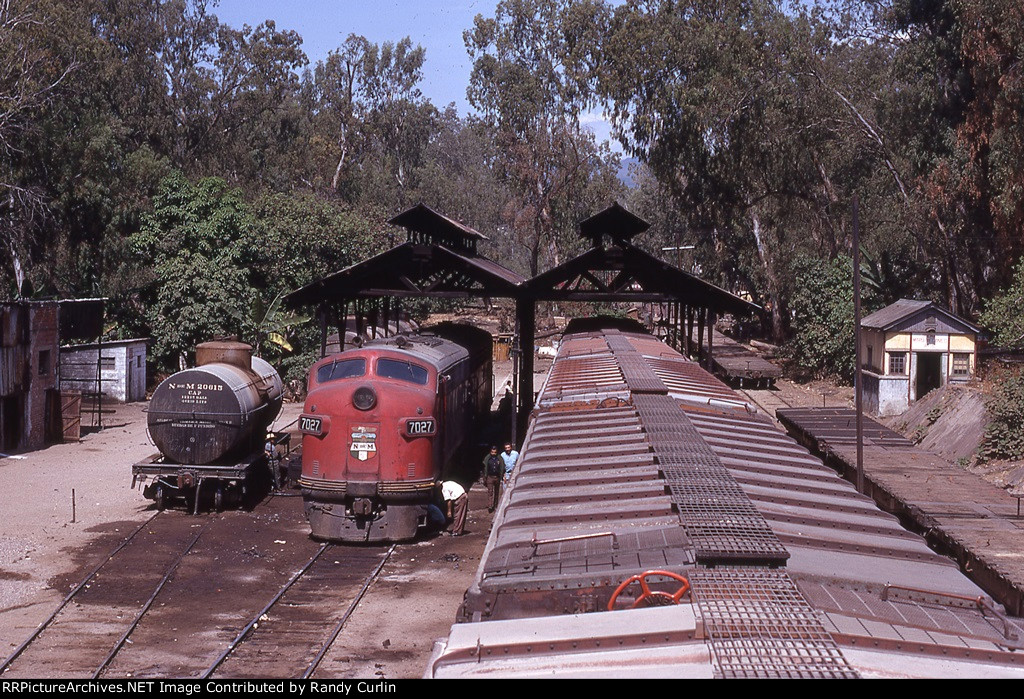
[{"x": 436, "y": 25}]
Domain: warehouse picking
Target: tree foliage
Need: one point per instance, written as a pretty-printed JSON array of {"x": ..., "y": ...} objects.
[
  {"x": 823, "y": 316},
  {"x": 528, "y": 84},
  {"x": 1004, "y": 434},
  {"x": 753, "y": 124},
  {"x": 1004, "y": 313},
  {"x": 200, "y": 243}
]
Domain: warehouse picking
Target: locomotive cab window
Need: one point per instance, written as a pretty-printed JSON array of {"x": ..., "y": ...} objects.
[
  {"x": 344, "y": 369},
  {"x": 403, "y": 371}
]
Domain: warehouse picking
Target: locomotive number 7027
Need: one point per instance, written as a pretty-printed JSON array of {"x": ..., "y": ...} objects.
[
  {"x": 419, "y": 427},
  {"x": 311, "y": 425}
]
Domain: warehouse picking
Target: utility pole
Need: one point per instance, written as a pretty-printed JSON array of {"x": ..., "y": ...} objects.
[{"x": 858, "y": 384}]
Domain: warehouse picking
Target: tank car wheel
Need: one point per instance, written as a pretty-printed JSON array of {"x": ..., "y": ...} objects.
[
  {"x": 648, "y": 596},
  {"x": 160, "y": 498},
  {"x": 218, "y": 499}
]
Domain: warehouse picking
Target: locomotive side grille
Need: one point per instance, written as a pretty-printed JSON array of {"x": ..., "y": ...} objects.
[
  {"x": 321, "y": 484},
  {"x": 385, "y": 487},
  {"x": 411, "y": 471},
  {"x": 316, "y": 467}
]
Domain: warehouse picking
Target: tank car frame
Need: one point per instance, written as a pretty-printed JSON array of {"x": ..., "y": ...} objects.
[{"x": 173, "y": 481}]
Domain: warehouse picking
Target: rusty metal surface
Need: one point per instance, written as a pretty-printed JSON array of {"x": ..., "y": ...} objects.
[
  {"x": 836, "y": 426},
  {"x": 691, "y": 482},
  {"x": 760, "y": 626},
  {"x": 734, "y": 361},
  {"x": 568, "y": 485},
  {"x": 718, "y": 517}
]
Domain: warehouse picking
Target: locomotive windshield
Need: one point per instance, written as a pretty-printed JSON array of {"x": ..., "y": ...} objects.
[
  {"x": 403, "y": 371},
  {"x": 343, "y": 369}
]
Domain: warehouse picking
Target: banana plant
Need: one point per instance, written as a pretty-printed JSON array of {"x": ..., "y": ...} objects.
[{"x": 274, "y": 325}]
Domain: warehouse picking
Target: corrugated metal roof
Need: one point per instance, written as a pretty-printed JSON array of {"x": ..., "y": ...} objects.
[
  {"x": 891, "y": 315},
  {"x": 592, "y": 503}
]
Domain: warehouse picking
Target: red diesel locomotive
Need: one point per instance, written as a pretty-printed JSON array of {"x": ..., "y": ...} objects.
[{"x": 380, "y": 423}]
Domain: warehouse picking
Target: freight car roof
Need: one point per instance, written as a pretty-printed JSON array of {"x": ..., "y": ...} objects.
[{"x": 638, "y": 460}]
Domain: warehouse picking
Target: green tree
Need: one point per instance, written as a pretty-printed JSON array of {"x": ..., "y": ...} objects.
[
  {"x": 1004, "y": 434},
  {"x": 741, "y": 139},
  {"x": 1004, "y": 313},
  {"x": 370, "y": 122},
  {"x": 528, "y": 81},
  {"x": 37, "y": 65},
  {"x": 200, "y": 243},
  {"x": 822, "y": 306}
]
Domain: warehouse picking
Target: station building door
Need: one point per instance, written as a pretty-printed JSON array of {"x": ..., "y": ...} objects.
[{"x": 929, "y": 372}]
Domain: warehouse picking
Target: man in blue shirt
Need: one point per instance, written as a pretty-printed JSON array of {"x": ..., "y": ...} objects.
[{"x": 509, "y": 456}]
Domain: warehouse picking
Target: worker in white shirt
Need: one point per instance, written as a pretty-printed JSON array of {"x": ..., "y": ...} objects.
[{"x": 456, "y": 499}]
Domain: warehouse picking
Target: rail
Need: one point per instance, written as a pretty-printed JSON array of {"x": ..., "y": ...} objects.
[
  {"x": 259, "y": 615},
  {"x": 71, "y": 595},
  {"x": 348, "y": 612},
  {"x": 149, "y": 603}
]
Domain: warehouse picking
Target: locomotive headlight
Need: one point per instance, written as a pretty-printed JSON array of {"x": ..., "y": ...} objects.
[{"x": 364, "y": 398}]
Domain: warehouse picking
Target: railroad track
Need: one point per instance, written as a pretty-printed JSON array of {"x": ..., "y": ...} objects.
[
  {"x": 173, "y": 599},
  {"x": 93, "y": 622},
  {"x": 279, "y": 640},
  {"x": 767, "y": 400}
]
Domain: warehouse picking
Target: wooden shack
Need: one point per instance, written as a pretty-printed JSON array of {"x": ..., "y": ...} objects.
[
  {"x": 116, "y": 369},
  {"x": 910, "y": 348},
  {"x": 29, "y": 401}
]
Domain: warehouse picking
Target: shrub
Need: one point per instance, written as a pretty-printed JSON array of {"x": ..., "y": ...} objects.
[{"x": 1004, "y": 436}]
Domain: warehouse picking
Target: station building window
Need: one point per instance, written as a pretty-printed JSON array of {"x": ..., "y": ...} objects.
[
  {"x": 961, "y": 364},
  {"x": 897, "y": 362}
]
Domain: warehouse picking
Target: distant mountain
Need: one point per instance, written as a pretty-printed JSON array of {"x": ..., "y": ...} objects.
[{"x": 624, "y": 175}]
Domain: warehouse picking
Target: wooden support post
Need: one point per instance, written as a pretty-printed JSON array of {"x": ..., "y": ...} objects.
[
  {"x": 701, "y": 313},
  {"x": 526, "y": 320},
  {"x": 667, "y": 318},
  {"x": 679, "y": 326},
  {"x": 711, "y": 339},
  {"x": 322, "y": 316},
  {"x": 387, "y": 317},
  {"x": 701, "y": 316},
  {"x": 344, "y": 326},
  {"x": 676, "y": 310},
  {"x": 689, "y": 331}
]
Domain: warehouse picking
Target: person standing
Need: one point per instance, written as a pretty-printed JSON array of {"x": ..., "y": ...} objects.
[
  {"x": 494, "y": 469},
  {"x": 456, "y": 499},
  {"x": 509, "y": 456}
]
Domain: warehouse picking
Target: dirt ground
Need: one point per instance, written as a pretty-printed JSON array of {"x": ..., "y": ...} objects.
[
  {"x": 39, "y": 526},
  {"x": 46, "y": 546}
]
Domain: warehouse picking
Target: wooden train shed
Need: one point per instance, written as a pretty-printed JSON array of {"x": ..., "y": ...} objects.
[{"x": 440, "y": 259}]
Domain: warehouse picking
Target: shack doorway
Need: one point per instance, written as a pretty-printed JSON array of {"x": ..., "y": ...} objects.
[
  {"x": 11, "y": 410},
  {"x": 929, "y": 372}
]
